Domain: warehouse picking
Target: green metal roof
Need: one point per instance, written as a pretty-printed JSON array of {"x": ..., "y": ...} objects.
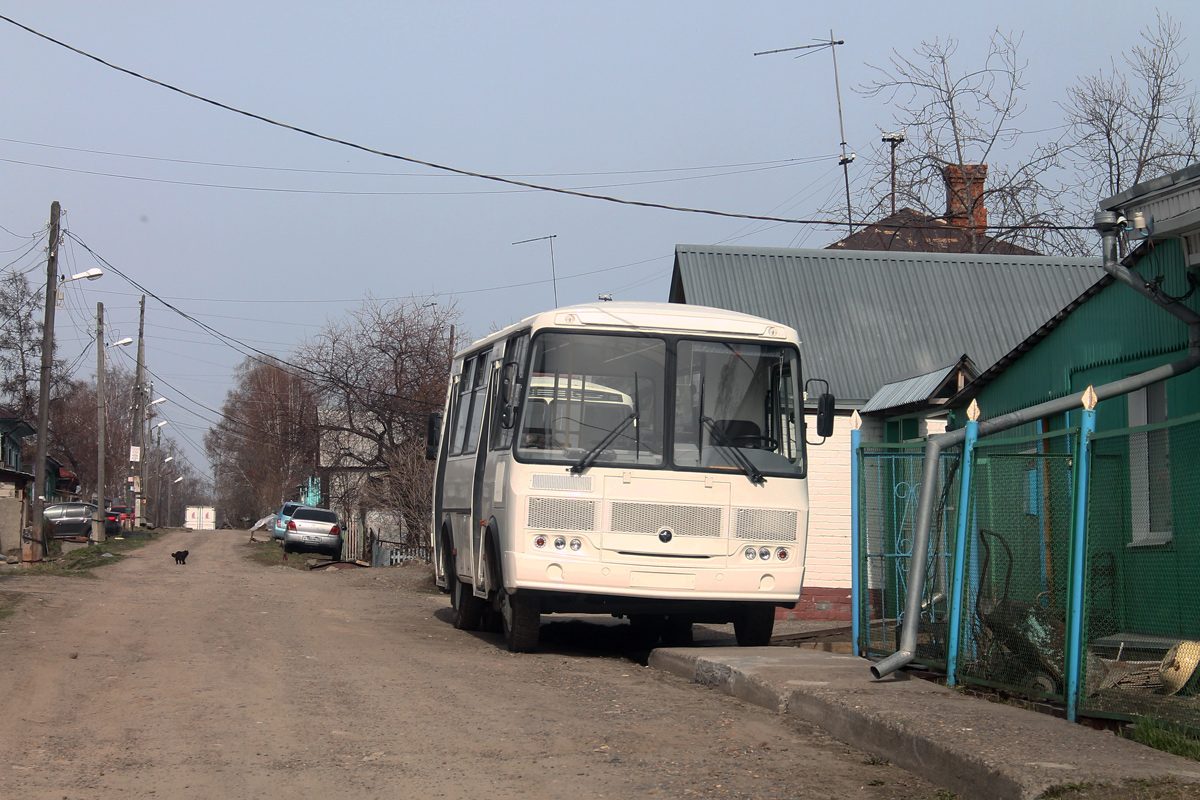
[{"x": 868, "y": 318}]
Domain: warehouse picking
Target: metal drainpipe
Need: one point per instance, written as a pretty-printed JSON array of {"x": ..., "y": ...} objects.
[{"x": 1107, "y": 224}]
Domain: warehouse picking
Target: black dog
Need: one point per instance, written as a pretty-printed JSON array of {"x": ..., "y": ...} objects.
[{"x": 180, "y": 556}]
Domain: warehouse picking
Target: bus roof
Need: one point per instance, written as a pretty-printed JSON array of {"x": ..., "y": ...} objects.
[{"x": 655, "y": 317}]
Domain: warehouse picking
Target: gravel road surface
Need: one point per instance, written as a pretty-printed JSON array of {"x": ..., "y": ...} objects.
[{"x": 226, "y": 678}]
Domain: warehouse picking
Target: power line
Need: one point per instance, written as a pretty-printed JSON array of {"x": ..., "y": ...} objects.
[
  {"x": 408, "y": 159},
  {"x": 242, "y": 347},
  {"x": 497, "y": 288},
  {"x": 780, "y": 162},
  {"x": 366, "y": 193}
]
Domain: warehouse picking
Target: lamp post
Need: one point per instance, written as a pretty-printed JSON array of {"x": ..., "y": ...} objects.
[
  {"x": 158, "y": 515},
  {"x": 139, "y": 510},
  {"x": 33, "y": 547},
  {"x": 170, "y": 486},
  {"x": 98, "y": 534}
]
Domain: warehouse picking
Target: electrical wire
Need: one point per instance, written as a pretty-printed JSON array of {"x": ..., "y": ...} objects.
[
  {"x": 408, "y": 159},
  {"x": 782, "y": 162},
  {"x": 362, "y": 192}
]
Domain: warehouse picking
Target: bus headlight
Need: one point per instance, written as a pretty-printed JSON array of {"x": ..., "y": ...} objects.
[
  {"x": 576, "y": 545},
  {"x": 782, "y": 553},
  {"x": 560, "y": 543},
  {"x": 751, "y": 554},
  {"x": 765, "y": 553}
]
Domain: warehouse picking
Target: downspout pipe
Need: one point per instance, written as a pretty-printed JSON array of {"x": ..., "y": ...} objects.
[{"x": 1108, "y": 224}]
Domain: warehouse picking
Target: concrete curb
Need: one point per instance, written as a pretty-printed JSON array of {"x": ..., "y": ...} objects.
[{"x": 973, "y": 747}]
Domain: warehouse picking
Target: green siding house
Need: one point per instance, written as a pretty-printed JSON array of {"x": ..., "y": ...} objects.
[{"x": 1140, "y": 528}]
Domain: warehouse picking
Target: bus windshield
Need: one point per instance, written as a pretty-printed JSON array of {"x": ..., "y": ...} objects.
[
  {"x": 594, "y": 399},
  {"x": 600, "y": 399},
  {"x": 736, "y": 407}
]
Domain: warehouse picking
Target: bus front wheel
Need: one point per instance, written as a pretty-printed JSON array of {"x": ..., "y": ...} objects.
[
  {"x": 753, "y": 625},
  {"x": 522, "y": 617}
]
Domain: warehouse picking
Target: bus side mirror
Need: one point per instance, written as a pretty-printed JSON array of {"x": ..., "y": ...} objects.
[
  {"x": 508, "y": 394},
  {"x": 433, "y": 436},
  {"x": 825, "y": 415}
]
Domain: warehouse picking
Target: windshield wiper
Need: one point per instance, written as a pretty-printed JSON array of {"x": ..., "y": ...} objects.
[
  {"x": 591, "y": 455},
  {"x": 752, "y": 472}
]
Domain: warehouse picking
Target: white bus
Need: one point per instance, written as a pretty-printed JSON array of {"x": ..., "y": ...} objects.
[{"x": 644, "y": 460}]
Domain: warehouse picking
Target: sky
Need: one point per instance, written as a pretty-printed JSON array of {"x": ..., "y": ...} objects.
[{"x": 265, "y": 234}]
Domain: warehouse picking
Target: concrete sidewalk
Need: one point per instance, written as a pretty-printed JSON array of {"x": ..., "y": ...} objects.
[{"x": 976, "y": 748}]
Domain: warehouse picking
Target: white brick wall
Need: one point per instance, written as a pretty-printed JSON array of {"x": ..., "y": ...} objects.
[{"x": 827, "y": 563}]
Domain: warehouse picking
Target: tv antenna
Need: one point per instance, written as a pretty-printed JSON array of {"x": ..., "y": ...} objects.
[
  {"x": 553, "y": 276},
  {"x": 846, "y": 158}
]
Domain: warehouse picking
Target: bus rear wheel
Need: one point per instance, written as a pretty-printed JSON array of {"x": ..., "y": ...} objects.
[
  {"x": 753, "y": 625},
  {"x": 468, "y": 609},
  {"x": 522, "y": 617}
]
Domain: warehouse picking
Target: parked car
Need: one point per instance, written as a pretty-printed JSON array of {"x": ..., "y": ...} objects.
[
  {"x": 75, "y": 519},
  {"x": 281, "y": 519},
  {"x": 123, "y": 513},
  {"x": 315, "y": 528}
]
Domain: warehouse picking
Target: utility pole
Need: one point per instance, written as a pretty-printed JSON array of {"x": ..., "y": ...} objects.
[
  {"x": 98, "y": 523},
  {"x": 33, "y": 546},
  {"x": 139, "y": 411}
]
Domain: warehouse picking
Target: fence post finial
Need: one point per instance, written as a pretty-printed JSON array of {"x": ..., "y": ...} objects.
[
  {"x": 855, "y": 421},
  {"x": 973, "y": 412},
  {"x": 1089, "y": 398}
]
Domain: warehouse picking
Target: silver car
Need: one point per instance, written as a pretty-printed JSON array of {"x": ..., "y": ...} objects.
[{"x": 315, "y": 528}]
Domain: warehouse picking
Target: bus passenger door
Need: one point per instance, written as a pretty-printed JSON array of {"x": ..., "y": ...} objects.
[{"x": 484, "y": 480}]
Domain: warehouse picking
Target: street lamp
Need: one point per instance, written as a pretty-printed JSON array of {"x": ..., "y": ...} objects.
[
  {"x": 98, "y": 534},
  {"x": 158, "y": 496},
  {"x": 170, "y": 486}
]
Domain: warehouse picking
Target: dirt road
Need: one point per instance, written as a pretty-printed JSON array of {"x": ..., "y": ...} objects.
[{"x": 224, "y": 678}]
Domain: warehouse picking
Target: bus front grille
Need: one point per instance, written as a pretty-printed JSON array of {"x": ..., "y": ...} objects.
[
  {"x": 561, "y": 483},
  {"x": 764, "y": 525},
  {"x": 561, "y": 514},
  {"x": 652, "y": 517}
]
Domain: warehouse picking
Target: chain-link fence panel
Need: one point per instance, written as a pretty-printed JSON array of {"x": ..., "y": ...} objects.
[
  {"x": 889, "y": 490},
  {"x": 1016, "y": 564},
  {"x": 1141, "y": 626}
]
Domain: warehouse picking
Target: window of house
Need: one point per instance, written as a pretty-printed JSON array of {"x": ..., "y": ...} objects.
[{"x": 1149, "y": 467}]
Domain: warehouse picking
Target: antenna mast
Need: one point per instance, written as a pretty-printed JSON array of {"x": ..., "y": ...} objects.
[
  {"x": 847, "y": 158},
  {"x": 553, "y": 275}
]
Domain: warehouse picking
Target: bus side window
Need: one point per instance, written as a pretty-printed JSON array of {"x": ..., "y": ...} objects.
[
  {"x": 462, "y": 407},
  {"x": 478, "y": 388},
  {"x": 515, "y": 352}
]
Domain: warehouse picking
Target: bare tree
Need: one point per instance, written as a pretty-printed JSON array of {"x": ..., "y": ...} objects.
[
  {"x": 952, "y": 116},
  {"x": 73, "y": 432},
  {"x": 382, "y": 369},
  {"x": 1136, "y": 122},
  {"x": 266, "y": 441},
  {"x": 20, "y": 344}
]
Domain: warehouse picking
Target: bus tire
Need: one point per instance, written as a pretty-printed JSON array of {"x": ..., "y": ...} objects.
[
  {"x": 753, "y": 625},
  {"x": 645, "y": 630},
  {"x": 522, "y": 616},
  {"x": 468, "y": 609},
  {"x": 677, "y": 632}
]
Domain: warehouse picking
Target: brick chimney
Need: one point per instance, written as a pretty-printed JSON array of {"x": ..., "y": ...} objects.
[{"x": 964, "y": 196}]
